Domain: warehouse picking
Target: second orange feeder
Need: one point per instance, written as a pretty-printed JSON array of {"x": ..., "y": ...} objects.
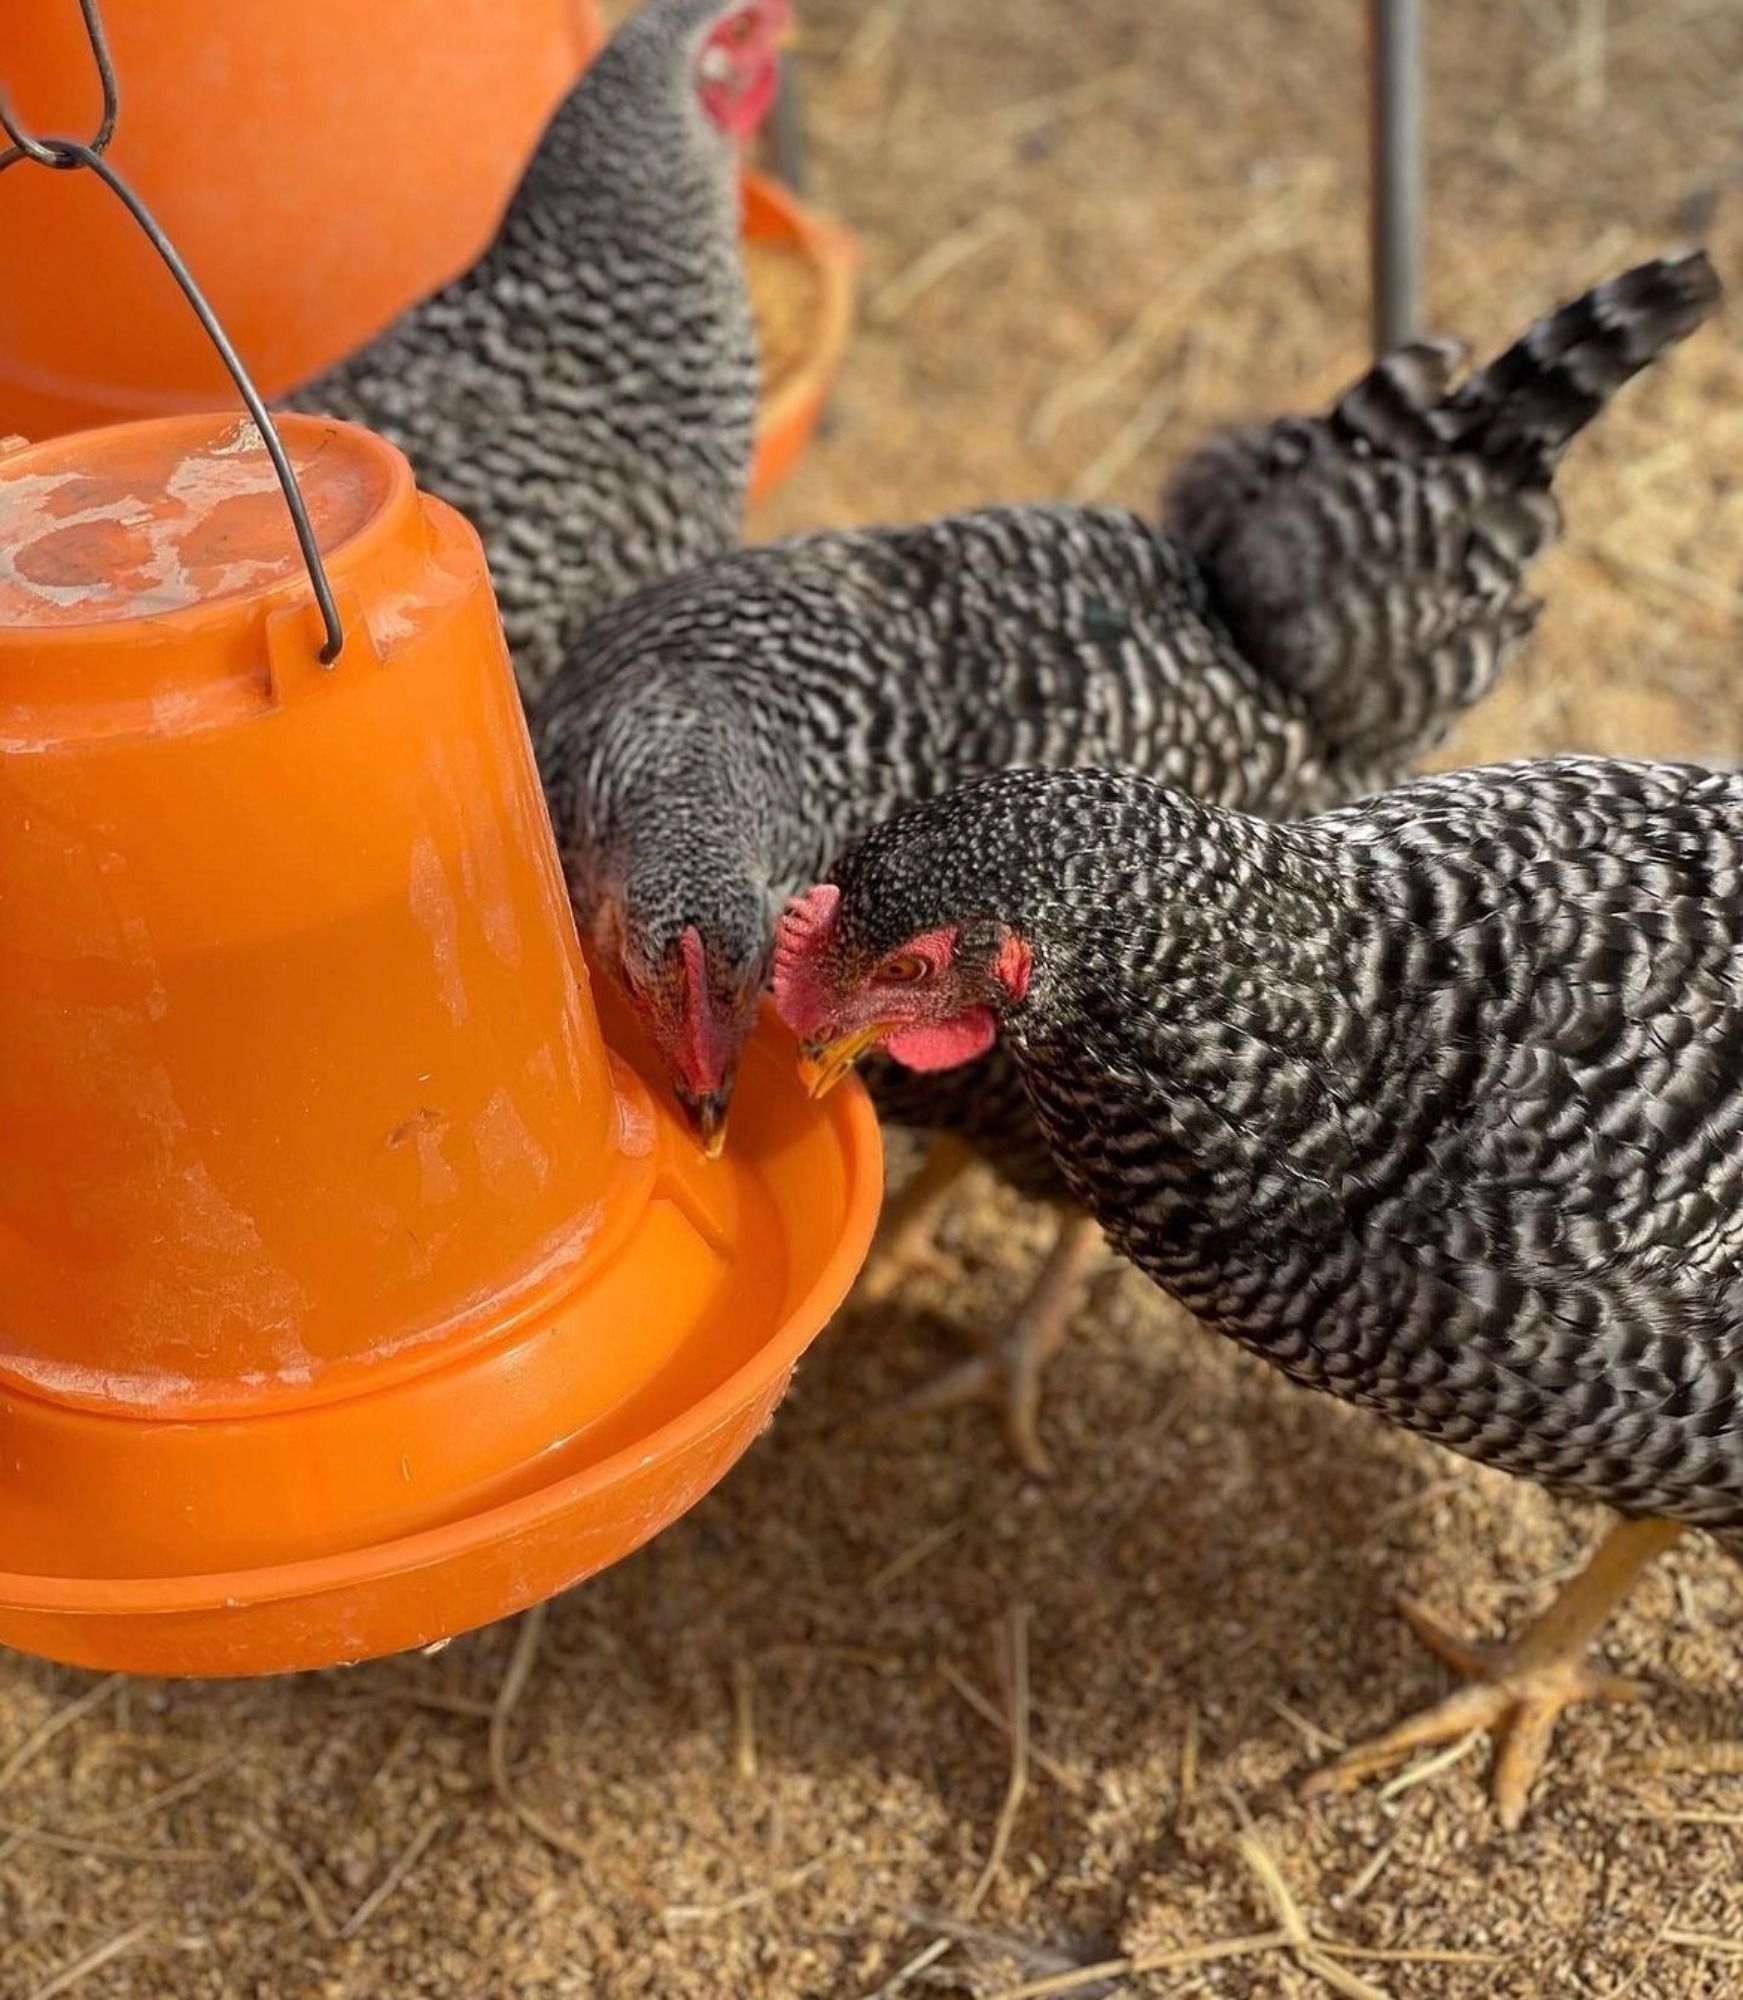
[{"x": 321, "y": 165}]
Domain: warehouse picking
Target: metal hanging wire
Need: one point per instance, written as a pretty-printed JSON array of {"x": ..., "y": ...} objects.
[
  {"x": 65, "y": 155},
  {"x": 27, "y": 147}
]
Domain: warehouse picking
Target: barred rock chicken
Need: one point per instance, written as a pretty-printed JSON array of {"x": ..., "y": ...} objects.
[
  {"x": 1435, "y": 1102},
  {"x": 586, "y": 392},
  {"x": 1333, "y": 591}
]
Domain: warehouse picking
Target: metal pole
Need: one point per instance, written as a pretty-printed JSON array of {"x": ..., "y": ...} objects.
[
  {"x": 789, "y": 127},
  {"x": 1395, "y": 167}
]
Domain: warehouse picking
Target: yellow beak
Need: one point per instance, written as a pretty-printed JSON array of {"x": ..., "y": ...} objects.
[
  {"x": 822, "y": 1065},
  {"x": 708, "y": 1121}
]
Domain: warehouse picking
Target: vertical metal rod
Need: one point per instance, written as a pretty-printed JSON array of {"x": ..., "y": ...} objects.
[
  {"x": 1395, "y": 167},
  {"x": 789, "y": 126}
]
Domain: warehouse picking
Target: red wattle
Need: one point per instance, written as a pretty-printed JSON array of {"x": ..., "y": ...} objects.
[
  {"x": 944, "y": 1044},
  {"x": 752, "y": 108}
]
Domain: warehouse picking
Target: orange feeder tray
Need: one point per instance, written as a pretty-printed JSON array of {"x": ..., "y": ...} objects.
[
  {"x": 353, "y": 1291},
  {"x": 793, "y": 397},
  {"x": 317, "y": 189}
]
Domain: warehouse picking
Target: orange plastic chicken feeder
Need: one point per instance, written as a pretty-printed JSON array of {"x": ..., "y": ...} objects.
[
  {"x": 353, "y": 1290},
  {"x": 318, "y": 189}
]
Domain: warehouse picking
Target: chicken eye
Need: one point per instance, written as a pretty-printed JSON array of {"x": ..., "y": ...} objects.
[
  {"x": 903, "y": 968},
  {"x": 740, "y": 29}
]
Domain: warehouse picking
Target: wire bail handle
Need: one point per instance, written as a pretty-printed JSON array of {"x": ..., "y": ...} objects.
[{"x": 63, "y": 155}]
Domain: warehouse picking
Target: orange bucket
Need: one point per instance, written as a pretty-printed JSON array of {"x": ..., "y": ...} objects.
[
  {"x": 319, "y": 163},
  {"x": 353, "y": 1292}
]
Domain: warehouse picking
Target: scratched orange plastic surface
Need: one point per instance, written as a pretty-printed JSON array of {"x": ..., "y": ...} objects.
[
  {"x": 352, "y": 1292},
  {"x": 319, "y": 163}
]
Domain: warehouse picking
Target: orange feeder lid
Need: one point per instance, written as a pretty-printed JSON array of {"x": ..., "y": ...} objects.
[{"x": 353, "y": 1291}]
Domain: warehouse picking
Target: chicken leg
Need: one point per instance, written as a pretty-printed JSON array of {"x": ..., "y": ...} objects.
[
  {"x": 1007, "y": 1371},
  {"x": 910, "y": 1219},
  {"x": 1518, "y": 1689}
]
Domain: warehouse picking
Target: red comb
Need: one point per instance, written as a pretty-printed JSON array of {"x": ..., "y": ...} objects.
[
  {"x": 802, "y": 997},
  {"x": 707, "y": 1050}
]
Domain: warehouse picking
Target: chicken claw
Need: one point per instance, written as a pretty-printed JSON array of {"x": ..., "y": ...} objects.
[
  {"x": 1007, "y": 1372},
  {"x": 910, "y": 1222},
  {"x": 1517, "y": 1690}
]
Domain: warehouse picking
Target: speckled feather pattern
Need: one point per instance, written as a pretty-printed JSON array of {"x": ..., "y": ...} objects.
[
  {"x": 720, "y": 734},
  {"x": 586, "y": 392},
  {"x": 1433, "y": 1101},
  {"x": 715, "y": 738}
]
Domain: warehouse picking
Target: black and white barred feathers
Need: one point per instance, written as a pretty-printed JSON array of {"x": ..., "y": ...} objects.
[
  {"x": 1328, "y": 594},
  {"x": 1434, "y": 1101},
  {"x": 586, "y": 392}
]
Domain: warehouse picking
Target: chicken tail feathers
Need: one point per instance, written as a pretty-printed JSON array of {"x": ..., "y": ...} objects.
[
  {"x": 1373, "y": 560},
  {"x": 1528, "y": 405}
]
